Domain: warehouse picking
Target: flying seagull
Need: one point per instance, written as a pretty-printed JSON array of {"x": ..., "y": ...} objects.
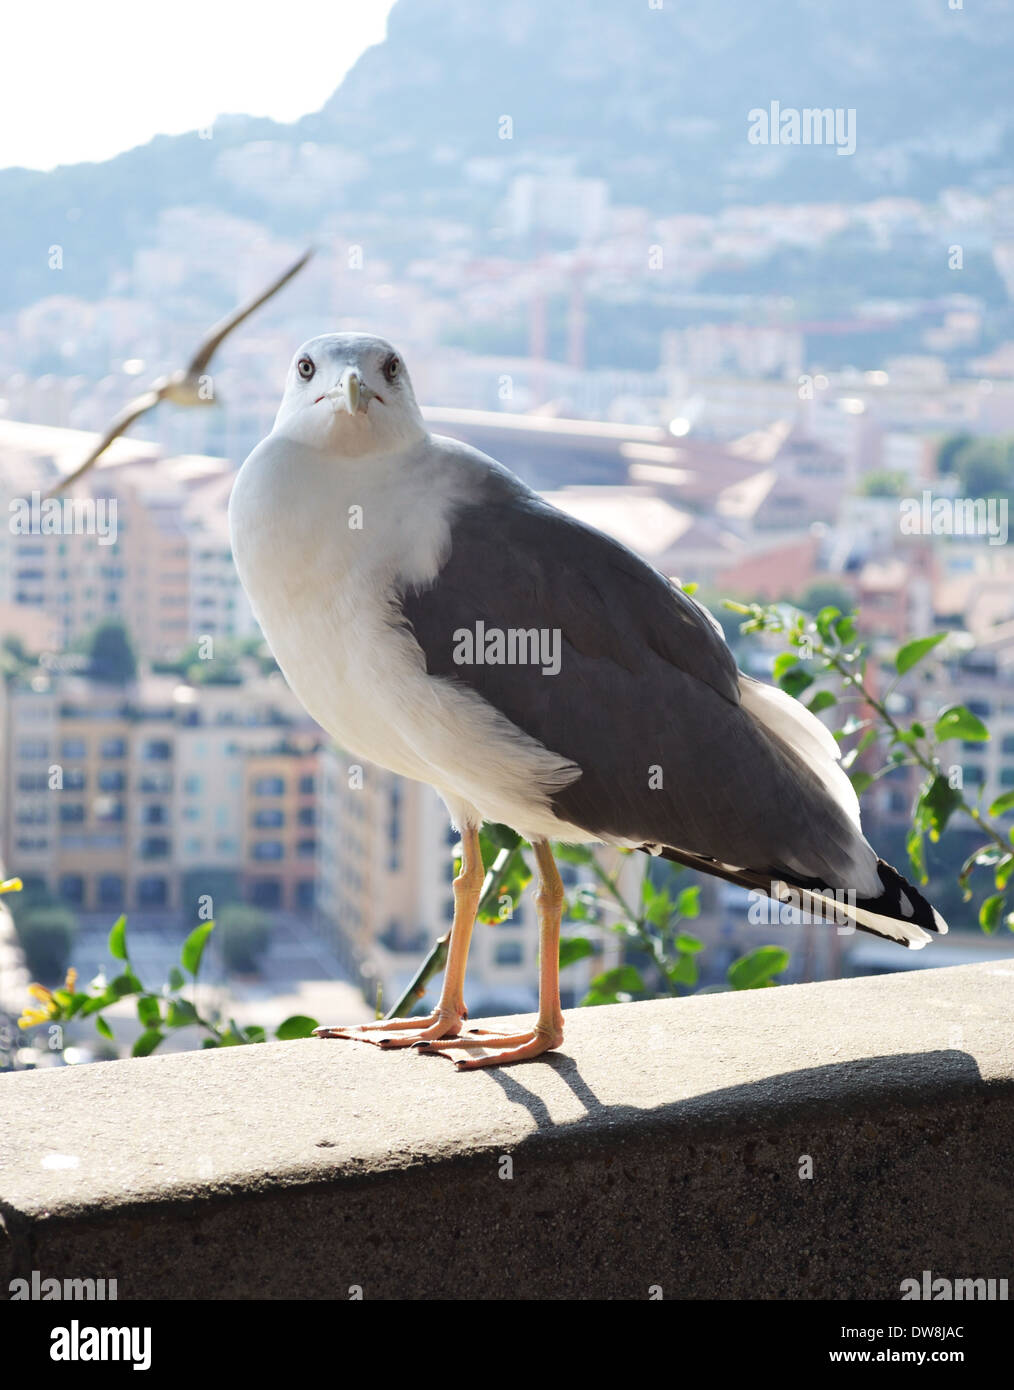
[
  {"x": 437, "y": 617},
  {"x": 183, "y": 387}
]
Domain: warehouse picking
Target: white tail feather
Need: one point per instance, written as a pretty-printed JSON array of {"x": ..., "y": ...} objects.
[{"x": 795, "y": 725}]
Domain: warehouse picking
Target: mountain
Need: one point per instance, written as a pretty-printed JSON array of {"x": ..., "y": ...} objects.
[{"x": 656, "y": 100}]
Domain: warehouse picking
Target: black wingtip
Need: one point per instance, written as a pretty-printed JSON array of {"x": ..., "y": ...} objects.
[{"x": 903, "y": 901}]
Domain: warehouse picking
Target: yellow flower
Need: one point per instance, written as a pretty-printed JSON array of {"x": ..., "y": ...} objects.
[
  {"x": 11, "y": 885},
  {"x": 41, "y": 993},
  {"x": 31, "y": 1017},
  {"x": 71, "y": 980}
]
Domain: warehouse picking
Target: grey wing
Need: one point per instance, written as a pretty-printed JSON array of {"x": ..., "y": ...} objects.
[{"x": 646, "y": 700}]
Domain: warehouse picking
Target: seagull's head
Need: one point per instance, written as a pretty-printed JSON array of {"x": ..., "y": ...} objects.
[{"x": 349, "y": 393}]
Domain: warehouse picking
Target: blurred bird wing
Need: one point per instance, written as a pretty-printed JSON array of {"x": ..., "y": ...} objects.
[
  {"x": 139, "y": 406},
  {"x": 224, "y": 327}
]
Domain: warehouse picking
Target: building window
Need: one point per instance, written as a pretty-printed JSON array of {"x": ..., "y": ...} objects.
[
  {"x": 73, "y": 780},
  {"x": 304, "y": 894},
  {"x": 110, "y": 890},
  {"x": 269, "y": 786},
  {"x": 269, "y": 818},
  {"x": 308, "y": 815},
  {"x": 157, "y": 750},
  {"x": 72, "y": 814},
  {"x": 152, "y": 892},
  {"x": 111, "y": 781},
  {"x": 159, "y": 782},
  {"x": 307, "y": 785},
  {"x": 33, "y": 748},
  {"x": 306, "y": 849},
  {"x": 113, "y": 748},
  {"x": 154, "y": 813},
  {"x": 73, "y": 748},
  {"x": 269, "y": 849},
  {"x": 266, "y": 892},
  {"x": 154, "y": 847},
  {"x": 72, "y": 889},
  {"x": 193, "y": 785},
  {"x": 508, "y": 953}
]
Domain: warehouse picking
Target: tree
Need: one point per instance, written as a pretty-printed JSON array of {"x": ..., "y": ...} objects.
[
  {"x": 46, "y": 933},
  {"x": 111, "y": 654},
  {"x": 243, "y": 934}
]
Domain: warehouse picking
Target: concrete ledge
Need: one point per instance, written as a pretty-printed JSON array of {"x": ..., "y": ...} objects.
[{"x": 662, "y": 1147}]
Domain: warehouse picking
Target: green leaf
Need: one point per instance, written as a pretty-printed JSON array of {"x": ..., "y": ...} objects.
[
  {"x": 755, "y": 971},
  {"x": 688, "y": 903},
  {"x": 1002, "y": 804},
  {"x": 845, "y": 629},
  {"x": 1003, "y": 870},
  {"x": 500, "y": 836},
  {"x": 913, "y": 652},
  {"x": 572, "y": 854},
  {"x": 936, "y": 803},
  {"x": 181, "y": 1013},
  {"x": 509, "y": 877},
  {"x": 124, "y": 984},
  {"x": 614, "y": 986},
  {"x": 860, "y": 781},
  {"x": 103, "y": 1027},
  {"x": 193, "y": 947},
  {"x": 574, "y": 948},
  {"x": 148, "y": 1011},
  {"x": 784, "y": 661},
  {"x": 916, "y": 848},
  {"x": 822, "y": 700},
  {"x": 147, "y": 1042},
  {"x": 684, "y": 972},
  {"x": 660, "y": 909},
  {"x": 254, "y": 1033},
  {"x": 989, "y": 913},
  {"x": 118, "y": 939},
  {"x": 794, "y": 682},
  {"x": 689, "y": 944},
  {"x": 958, "y": 722},
  {"x": 176, "y": 980},
  {"x": 825, "y": 622},
  {"x": 296, "y": 1026}
]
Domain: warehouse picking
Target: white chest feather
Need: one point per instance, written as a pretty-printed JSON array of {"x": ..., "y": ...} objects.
[{"x": 318, "y": 544}]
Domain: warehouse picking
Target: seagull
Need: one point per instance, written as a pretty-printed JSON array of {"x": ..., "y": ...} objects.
[
  {"x": 183, "y": 387},
  {"x": 439, "y": 618}
]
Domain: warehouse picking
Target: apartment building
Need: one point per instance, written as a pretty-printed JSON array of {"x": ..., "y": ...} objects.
[
  {"x": 133, "y": 796},
  {"x": 143, "y": 539}
]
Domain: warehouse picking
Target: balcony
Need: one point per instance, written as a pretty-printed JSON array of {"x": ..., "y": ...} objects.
[{"x": 805, "y": 1142}]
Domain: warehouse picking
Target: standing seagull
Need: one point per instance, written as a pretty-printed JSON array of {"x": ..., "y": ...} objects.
[{"x": 439, "y": 618}]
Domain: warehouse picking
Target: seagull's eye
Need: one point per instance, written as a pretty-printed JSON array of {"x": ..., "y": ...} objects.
[
  {"x": 305, "y": 368},
  {"x": 392, "y": 367}
]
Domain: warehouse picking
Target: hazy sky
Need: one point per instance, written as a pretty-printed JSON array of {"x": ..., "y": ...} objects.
[{"x": 81, "y": 81}]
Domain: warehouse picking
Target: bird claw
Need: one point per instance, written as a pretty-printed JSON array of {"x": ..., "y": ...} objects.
[{"x": 516, "y": 1047}]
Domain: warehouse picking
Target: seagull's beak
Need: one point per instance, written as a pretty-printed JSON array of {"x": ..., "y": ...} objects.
[{"x": 351, "y": 393}]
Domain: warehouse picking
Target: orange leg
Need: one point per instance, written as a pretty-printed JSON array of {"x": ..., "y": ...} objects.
[
  {"x": 548, "y": 1031},
  {"x": 446, "y": 1019}
]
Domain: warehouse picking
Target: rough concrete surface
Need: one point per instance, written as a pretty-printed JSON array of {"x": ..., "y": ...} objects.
[{"x": 662, "y": 1146}]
